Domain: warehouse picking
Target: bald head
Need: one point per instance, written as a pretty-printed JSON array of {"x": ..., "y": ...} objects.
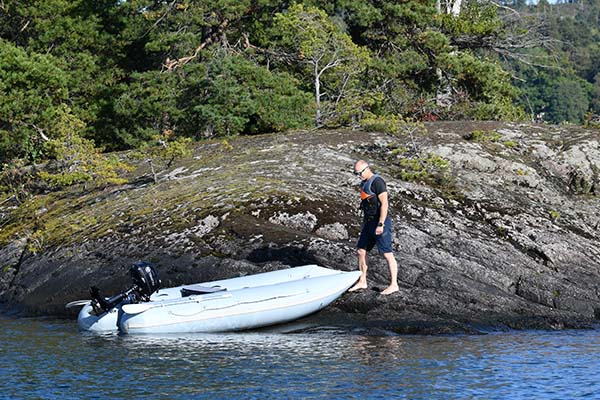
[
  {"x": 360, "y": 164},
  {"x": 361, "y": 168}
]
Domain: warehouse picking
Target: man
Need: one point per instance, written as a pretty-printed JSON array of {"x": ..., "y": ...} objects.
[{"x": 377, "y": 226}]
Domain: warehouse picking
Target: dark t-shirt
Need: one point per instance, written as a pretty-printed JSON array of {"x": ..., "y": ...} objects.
[
  {"x": 372, "y": 207},
  {"x": 378, "y": 186}
]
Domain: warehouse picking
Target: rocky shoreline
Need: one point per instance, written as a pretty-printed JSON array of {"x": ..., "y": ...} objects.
[{"x": 496, "y": 226}]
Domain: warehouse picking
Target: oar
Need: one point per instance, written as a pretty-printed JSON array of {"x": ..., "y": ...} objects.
[{"x": 77, "y": 303}]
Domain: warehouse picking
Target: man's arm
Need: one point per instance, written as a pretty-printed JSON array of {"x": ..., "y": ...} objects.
[{"x": 383, "y": 199}]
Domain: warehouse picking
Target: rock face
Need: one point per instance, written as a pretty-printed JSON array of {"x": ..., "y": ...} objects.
[{"x": 503, "y": 233}]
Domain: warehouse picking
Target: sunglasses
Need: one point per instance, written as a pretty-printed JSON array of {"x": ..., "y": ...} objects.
[{"x": 359, "y": 173}]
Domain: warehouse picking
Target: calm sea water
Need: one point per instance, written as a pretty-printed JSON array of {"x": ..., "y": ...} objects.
[{"x": 50, "y": 359}]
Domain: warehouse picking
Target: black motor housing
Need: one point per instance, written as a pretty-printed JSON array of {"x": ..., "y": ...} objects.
[
  {"x": 145, "y": 277},
  {"x": 145, "y": 282}
]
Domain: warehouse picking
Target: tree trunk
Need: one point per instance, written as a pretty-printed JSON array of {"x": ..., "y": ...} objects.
[
  {"x": 453, "y": 7},
  {"x": 317, "y": 95},
  {"x": 443, "y": 96},
  {"x": 154, "y": 175}
]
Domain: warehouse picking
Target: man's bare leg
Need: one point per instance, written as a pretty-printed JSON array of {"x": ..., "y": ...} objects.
[
  {"x": 362, "y": 265},
  {"x": 393, "y": 274}
]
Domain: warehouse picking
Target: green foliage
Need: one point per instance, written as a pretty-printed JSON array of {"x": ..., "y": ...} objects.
[
  {"x": 36, "y": 242},
  {"x": 162, "y": 151},
  {"x": 489, "y": 93},
  {"x": 475, "y": 20},
  {"x": 558, "y": 98},
  {"x": 17, "y": 181},
  {"x": 168, "y": 150},
  {"x": 170, "y": 31},
  {"x": 484, "y": 136},
  {"x": 565, "y": 90},
  {"x": 31, "y": 89},
  {"x": 331, "y": 60},
  {"x": 77, "y": 39},
  {"x": 410, "y": 163},
  {"x": 400, "y": 66},
  {"x": 570, "y": 101},
  {"x": 227, "y": 95},
  {"x": 77, "y": 160},
  {"x": 351, "y": 110},
  {"x": 63, "y": 179},
  {"x": 422, "y": 167},
  {"x": 147, "y": 107},
  {"x": 226, "y": 145},
  {"x": 595, "y": 100},
  {"x": 234, "y": 95},
  {"x": 130, "y": 70},
  {"x": 394, "y": 124}
]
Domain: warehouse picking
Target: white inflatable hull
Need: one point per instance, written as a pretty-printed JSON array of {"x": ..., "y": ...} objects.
[{"x": 247, "y": 302}]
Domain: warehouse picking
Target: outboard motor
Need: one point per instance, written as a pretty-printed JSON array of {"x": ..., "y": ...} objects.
[
  {"x": 145, "y": 278},
  {"x": 145, "y": 282}
]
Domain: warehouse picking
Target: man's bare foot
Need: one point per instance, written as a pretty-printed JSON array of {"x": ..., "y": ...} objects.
[
  {"x": 390, "y": 289},
  {"x": 358, "y": 286}
]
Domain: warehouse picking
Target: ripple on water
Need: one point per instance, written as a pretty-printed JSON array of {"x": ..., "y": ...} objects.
[{"x": 44, "y": 358}]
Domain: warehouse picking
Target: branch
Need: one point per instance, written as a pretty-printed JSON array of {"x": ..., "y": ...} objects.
[
  {"x": 169, "y": 65},
  {"x": 158, "y": 21},
  {"x": 509, "y": 9},
  {"x": 41, "y": 132},
  {"x": 335, "y": 63},
  {"x": 286, "y": 58},
  {"x": 24, "y": 26},
  {"x": 526, "y": 59}
]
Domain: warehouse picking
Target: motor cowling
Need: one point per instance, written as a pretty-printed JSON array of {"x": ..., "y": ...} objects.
[
  {"x": 145, "y": 277},
  {"x": 145, "y": 283}
]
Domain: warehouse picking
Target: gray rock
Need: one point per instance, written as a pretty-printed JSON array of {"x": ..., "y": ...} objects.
[
  {"x": 304, "y": 222},
  {"x": 335, "y": 231},
  {"x": 507, "y": 239}
]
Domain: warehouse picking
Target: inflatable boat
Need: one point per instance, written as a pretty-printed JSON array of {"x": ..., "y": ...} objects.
[{"x": 241, "y": 303}]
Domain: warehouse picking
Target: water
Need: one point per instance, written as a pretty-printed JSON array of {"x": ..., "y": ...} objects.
[{"x": 50, "y": 359}]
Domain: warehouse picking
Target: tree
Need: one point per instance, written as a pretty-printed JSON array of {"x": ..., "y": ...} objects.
[
  {"x": 570, "y": 101},
  {"x": 82, "y": 37},
  {"x": 420, "y": 57},
  {"x": 331, "y": 57},
  {"x": 230, "y": 95},
  {"x": 573, "y": 55},
  {"x": 76, "y": 159},
  {"x": 32, "y": 87},
  {"x": 176, "y": 32},
  {"x": 224, "y": 95},
  {"x": 162, "y": 151},
  {"x": 596, "y": 96}
]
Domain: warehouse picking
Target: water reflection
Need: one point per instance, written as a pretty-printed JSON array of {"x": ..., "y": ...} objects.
[{"x": 50, "y": 359}]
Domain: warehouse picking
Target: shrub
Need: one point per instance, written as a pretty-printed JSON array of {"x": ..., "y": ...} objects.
[
  {"x": 484, "y": 136},
  {"x": 394, "y": 124},
  {"x": 162, "y": 151}
]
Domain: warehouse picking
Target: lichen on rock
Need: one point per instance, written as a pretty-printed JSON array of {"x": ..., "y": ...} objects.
[
  {"x": 507, "y": 238},
  {"x": 304, "y": 222}
]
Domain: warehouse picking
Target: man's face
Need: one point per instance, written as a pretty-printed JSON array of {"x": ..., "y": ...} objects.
[{"x": 360, "y": 171}]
